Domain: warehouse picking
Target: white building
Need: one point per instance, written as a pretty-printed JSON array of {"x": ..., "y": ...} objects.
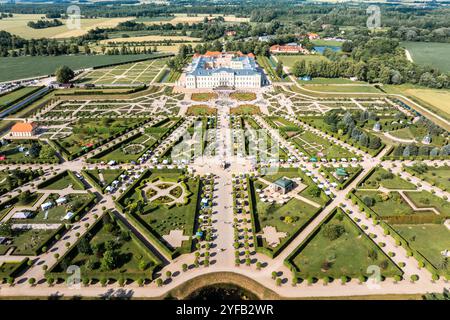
[{"x": 217, "y": 69}]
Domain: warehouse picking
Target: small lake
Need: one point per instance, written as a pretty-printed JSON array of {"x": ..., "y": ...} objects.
[
  {"x": 222, "y": 292},
  {"x": 321, "y": 49}
]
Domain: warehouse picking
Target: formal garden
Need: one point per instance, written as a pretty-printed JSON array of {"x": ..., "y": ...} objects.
[
  {"x": 61, "y": 181},
  {"x": 203, "y": 96},
  {"x": 380, "y": 177},
  {"x": 437, "y": 176},
  {"x": 243, "y": 96},
  {"x": 278, "y": 218},
  {"x": 339, "y": 249},
  {"x": 162, "y": 202},
  {"x": 108, "y": 250},
  {"x": 88, "y": 134},
  {"x": 26, "y": 151}
]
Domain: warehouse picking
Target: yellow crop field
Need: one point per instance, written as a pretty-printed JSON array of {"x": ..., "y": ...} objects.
[
  {"x": 17, "y": 25},
  {"x": 184, "y": 18},
  {"x": 439, "y": 99},
  {"x": 150, "y": 38}
]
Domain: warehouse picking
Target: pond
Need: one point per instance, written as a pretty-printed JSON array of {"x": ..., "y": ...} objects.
[
  {"x": 321, "y": 49},
  {"x": 222, "y": 292}
]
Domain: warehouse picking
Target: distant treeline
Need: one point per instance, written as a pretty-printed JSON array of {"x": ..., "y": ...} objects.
[{"x": 373, "y": 60}]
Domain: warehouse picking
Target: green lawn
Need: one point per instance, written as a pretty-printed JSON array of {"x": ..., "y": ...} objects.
[
  {"x": 430, "y": 54},
  {"x": 429, "y": 239},
  {"x": 15, "y": 95},
  {"x": 109, "y": 236},
  {"x": 343, "y": 88},
  {"x": 382, "y": 177},
  {"x": 439, "y": 175},
  {"x": 320, "y": 147},
  {"x": 160, "y": 218},
  {"x": 394, "y": 206},
  {"x": 24, "y": 151},
  {"x": 274, "y": 215},
  {"x": 350, "y": 254},
  {"x": 290, "y": 60},
  {"x": 424, "y": 199},
  {"x": 27, "y": 241},
  {"x": 88, "y": 132},
  {"x": 203, "y": 96},
  {"x": 12, "y": 68},
  {"x": 243, "y": 96},
  {"x": 64, "y": 181}
]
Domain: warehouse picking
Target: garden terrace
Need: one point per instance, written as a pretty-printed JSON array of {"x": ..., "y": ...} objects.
[
  {"x": 314, "y": 146},
  {"x": 130, "y": 73},
  {"x": 261, "y": 142},
  {"x": 102, "y": 178},
  {"x": 155, "y": 215},
  {"x": 280, "y": 223},
  {"x": 29, "y": 241},
  {"x": 339, "y": 248},
  {"x": 245, "y": 109},
  {"x": 425, "y": 199},
  {"x": 90, "y": 134},
  {"x": 140, "y": 144},
  {"x": 27, "y": 151},
  {"x": 243, "y": 96},
  {"x": 287, "y": 129},
  {"x": 59, "y": 213},
  {"x": 12, "y": 269},
  {"x": 380, "y": 177},
  {"x": 108, "y": 251},
  {"x": 437, "y": 176},
  {"x": 203, "y": 96},
  {"x": 343, "y": 176},
  {"x": 429, "y": 240},
  {"x": 11, "y": 179},
  {"x": 372, "y": 147},
  {"x": 62, "y": 181}
]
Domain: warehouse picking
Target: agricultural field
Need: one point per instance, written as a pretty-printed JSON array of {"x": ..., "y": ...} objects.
[
  {"x": 12, "y": 68},
  {"x": 130, "y": 73},
  {"x": 430, "y": 54},
  {"x": 150, "y": 38},
  {"x": 184, "y": 18},
  {"x": 438, "y": 99},
  {"x": 17, "y": 25}
]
